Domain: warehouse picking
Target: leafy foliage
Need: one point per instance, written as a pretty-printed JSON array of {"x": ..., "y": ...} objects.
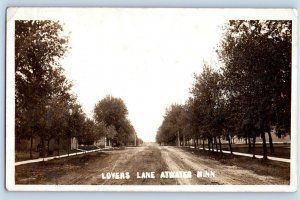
[
  {"x": 251, "y": 92},
  {"x": 113, "y": 113}
]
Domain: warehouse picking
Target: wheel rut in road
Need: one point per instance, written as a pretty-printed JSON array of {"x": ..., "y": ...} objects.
[{"x": 178, "y": 159}]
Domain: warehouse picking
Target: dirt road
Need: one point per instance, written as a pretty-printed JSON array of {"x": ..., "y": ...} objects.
[{"x": 146, "y": 165}]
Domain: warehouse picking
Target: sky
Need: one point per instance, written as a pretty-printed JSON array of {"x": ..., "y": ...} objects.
[{"x": 145, "y": 57}]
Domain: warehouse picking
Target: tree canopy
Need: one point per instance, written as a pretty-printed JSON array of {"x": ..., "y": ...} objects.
[
  {"x": 251, "y": 91},
  {"x": 43, "y": 96},
  {"x": 46, "y": 108},
  {"x": 113, "y": 113}
]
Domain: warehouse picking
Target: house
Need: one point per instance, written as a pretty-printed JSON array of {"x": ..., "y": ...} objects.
[{"x": 103, "y": 142}]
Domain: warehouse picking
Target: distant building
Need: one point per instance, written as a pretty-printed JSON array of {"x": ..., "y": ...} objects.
[{"x": 103, "y": 142}]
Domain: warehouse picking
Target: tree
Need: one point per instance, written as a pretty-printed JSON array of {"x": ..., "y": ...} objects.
[
  {"x": 76, "y": 122},
  {"x": 113, "y": 113},
  {"x": 171, "y": 130},
  {"x": 126, "y": 133},
  {"x": 55, "y": 124},
  {"x": 257, "y": 70},
  {"x": 39, "y": 44},
  {"x": 111, "y": 132},
  {"x": 202, "y": 116},
  {"x": 92, "y": 132},
  {"x": 207, "y": 97},
  {"x": 110, "y": 110}
]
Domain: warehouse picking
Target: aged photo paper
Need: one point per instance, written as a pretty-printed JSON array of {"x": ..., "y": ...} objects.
[{"x": 151, "y": 99}]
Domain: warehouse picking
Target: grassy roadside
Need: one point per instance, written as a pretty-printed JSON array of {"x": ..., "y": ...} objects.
[
  {"x": 280, "y": 150},
  {"x": 259, "y": 166},
  {"x": 50, "y": 171}
]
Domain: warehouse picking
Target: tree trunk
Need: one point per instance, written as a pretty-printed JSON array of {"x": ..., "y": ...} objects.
[
  {"x": 208, "y": 141},
  {"x": 271, "y": 142},
  {"x": 183, "y": 138},
  {"x": 30, "y": 151},
  {"x": 249, "y": 145},
  {"x": 69, "y": 145},
  {"x": 58, "y": 146},
  {"x": 216, "y": 143},
  {"x": 203, "y": 146},
  {"x": 230, "y": 147},
  {"x": 43, "y": 148},
  {"x": 195, "y": 144},
  {"x": 246, "y": 139},
  {"x": 220, "y": 144},
  {"x": 48, "y": 147},
  {"x": 254, "y": 140},
  {"x": 263, "y": 136},
  {"x": 178, "y": 140}
]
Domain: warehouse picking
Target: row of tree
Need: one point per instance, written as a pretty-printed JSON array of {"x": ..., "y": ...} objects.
[
  {"x": 246, "y": 97},
  {"x": 45, "y": 107}
]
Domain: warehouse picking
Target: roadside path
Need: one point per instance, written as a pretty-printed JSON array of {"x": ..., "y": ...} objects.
[
  {"x": 55, "y": 157},
  {"x": 251, "y": 155}
]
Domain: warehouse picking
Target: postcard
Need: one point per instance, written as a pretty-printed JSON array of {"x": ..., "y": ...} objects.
[{"x": 151, "y": 99}]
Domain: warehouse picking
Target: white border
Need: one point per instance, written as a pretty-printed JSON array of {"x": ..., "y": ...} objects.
[{"x": 53, "y": 14}]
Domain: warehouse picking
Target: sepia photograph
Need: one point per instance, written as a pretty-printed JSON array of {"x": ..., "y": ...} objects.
[{"x": 151, "y": 99}]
